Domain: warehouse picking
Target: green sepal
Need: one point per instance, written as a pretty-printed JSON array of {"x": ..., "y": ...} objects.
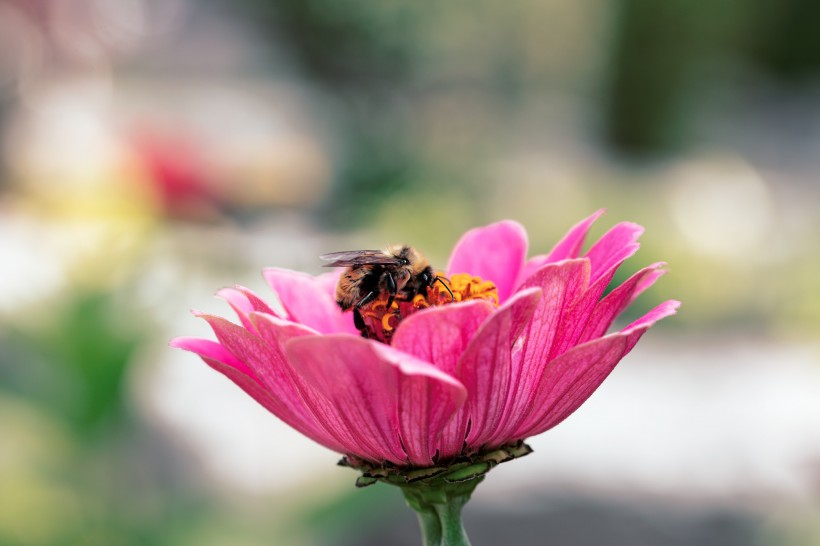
[
  {"x": 467, "y": 473},
  {"x": 365, "y": 481},
  {"x": 460, "y": 469},
  {"x": 424, "y": 473}
]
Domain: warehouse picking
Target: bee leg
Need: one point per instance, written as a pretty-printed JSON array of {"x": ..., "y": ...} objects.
[
  {"x": 370, "y": 296},
  {"x": 452, "y": 297},
  {"x": 391, "y": 289},
  {"x": 358, "y": 321}
]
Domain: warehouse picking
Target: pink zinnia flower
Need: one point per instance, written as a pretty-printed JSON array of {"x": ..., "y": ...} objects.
[{"x": 455, "y": 379}]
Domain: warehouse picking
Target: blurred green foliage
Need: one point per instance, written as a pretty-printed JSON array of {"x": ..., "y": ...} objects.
[
  {"x": 362, "y": 53},
  {"x": 84, "y": 470},
  {"x": 384, "y": 67},
  {"x": 72, "y": 363},
  {"x": 348, "y": 44},
  {"x": 668, "y": 55},
  {"x": 786, "y": 38}
]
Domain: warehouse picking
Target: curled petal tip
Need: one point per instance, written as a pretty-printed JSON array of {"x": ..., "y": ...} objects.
[
  {"x": 656, "y": 271},
  {"x": 233, "y": 296},
  {"x": 194, "y": 344},
  {"x": 667, "y": 308}
]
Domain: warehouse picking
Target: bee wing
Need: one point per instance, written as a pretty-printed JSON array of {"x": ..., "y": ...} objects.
[{"x": 348, "y": 258}]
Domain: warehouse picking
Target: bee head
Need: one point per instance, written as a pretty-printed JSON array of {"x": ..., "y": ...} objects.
[{"x": 427, "y": 276}]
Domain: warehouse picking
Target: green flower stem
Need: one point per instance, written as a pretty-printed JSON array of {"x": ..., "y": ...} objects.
[
  {"x": 439, "y": 510},
  {"x": 438, "y": 493}
]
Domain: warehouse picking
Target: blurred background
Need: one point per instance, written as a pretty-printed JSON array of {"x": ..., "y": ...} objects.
[{"x": 154, "y": 151}]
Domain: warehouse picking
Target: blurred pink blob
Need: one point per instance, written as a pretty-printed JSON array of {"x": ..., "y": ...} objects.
[
  {"x": 176, "y": 170},
  {"x": 456, "y": 379}
]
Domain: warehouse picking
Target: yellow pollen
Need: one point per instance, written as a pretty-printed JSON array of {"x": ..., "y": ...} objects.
[
  {"x": 387, "y": 319},
  {"x": 420, "y": 302},
  {"x": 465, "y": 287}
]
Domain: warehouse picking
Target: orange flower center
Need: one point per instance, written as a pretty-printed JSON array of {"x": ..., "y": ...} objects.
[{"x": 380, "y": 322}]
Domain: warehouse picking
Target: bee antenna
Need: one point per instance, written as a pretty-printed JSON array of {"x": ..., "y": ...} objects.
[{"x": 452, "y": 297}]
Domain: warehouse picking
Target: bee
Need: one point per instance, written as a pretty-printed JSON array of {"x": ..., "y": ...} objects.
[{"x": 401, "y": 271}]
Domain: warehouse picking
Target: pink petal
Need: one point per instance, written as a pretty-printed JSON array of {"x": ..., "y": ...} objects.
[
  {"x": 238, "y": 302},
  {"x": 440, "y": 335},
  {"x": 229, "y": 366},
  {"x": 223, "y": 361},
  {"x": 567, "y": 248},
  {"x": 328, "y": 281},
  {"x": 212, "y": 350},
  {"x": 393, "y": 404},
  {"x": 306, "y": 300},
  {"x": 608, "y": 253},
  {"x": 663, "y": 310},
  {"x": 244, "y": 302},
  {"x": 570, "y": 246},
  {"x": 615, "y": 246},
  {"x": 572, "y": 377},
  {"x": 495, "y": 252},
  {"x": 608, "y": 309},
  {"x": 488, "y": 368},
  {"x": 274, "y": 368},
  {"x": 257, "y": 304},
  {"x": 277, "y": 333},
  {"x": 649, "y": 279},
  {"x": 274, "y": 373},
  {"x": 562, "y": 285}
]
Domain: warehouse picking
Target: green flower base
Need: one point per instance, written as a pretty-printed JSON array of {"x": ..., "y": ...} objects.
[{"x": 438, "y": 493}]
